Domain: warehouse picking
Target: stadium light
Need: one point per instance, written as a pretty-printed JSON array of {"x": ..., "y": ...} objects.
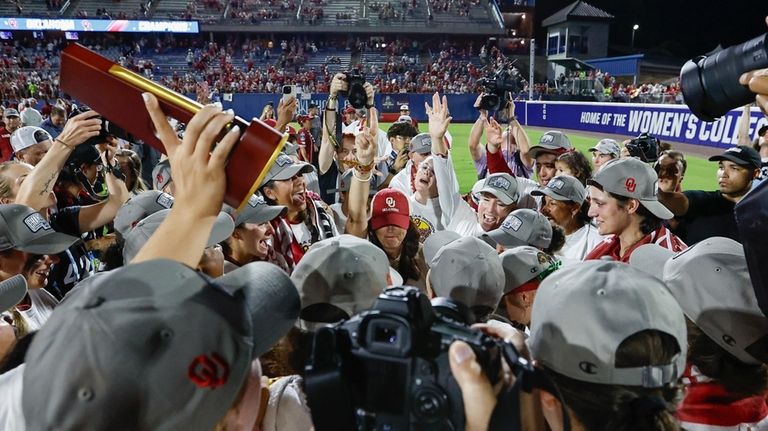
[
  {"x": 523, "y": 16},
  {"x": 634, "y": 29}
]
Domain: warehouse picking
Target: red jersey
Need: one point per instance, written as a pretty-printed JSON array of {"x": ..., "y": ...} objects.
[
  {"x": 612, "y": 247},
  {"x": 6, "y": 151},
  {"x": 303, "y": 137}
]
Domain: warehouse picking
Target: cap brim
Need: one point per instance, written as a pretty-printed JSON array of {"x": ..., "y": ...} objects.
[
  {"x": 292, "y": 171},
  {"x": 539, "y": 150},
  {"x": 12, "y": 291},
  {"x": 731, "y": 158},
  {"x": 658, "y": 209},
  {"x": 391, "y": 219},
  {"x": 504, "y": 199},
  {"x": 548, "y": 192},
  {"x": 49, "y": 243},
  {"x": 271, "y": 298},
  {"x": 267, "y": 214},
  {"x": 503, "y": 239},
  {"x": 222, "y": 229},
  {"x": 651, "y": 258}
]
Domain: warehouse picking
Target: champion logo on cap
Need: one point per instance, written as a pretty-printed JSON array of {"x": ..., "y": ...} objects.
[
  {"x": 256, "y": 200},
  {"x": 283, "y": 160},
  {"x": 208, "y": 371},
  {"x": 733, "y": 150},
  {"x": 164, "y": 200},
  {"x": 499, "y": 183},
  {"x": 512, "y": 223},
  {"x": 556, "y": 184},
  {"x": 35, "y": 222},
  {"x": 630, "y": 185}
]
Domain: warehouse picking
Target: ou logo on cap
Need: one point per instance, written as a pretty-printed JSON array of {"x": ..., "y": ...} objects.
[
  {"x": 630, "y": 184},
  {"x": 390, "y": 201}
]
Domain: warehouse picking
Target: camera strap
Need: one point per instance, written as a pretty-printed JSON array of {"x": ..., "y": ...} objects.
[{"x": 507, "y": 413}]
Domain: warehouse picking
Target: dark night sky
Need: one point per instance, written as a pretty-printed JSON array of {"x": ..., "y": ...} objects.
[{"x": 683, "y": 28}]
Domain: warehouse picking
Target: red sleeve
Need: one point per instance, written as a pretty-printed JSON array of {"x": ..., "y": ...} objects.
[{"x": 497, "y": 164}]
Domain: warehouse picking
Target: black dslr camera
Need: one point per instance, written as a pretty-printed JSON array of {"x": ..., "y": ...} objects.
[
  {"x": 355, "y": 94},
  {"x": 108, "y": 128},
  {"x": 645, "y": 147},
  {"x": 387, "y": 368},
  {"x": 711, "y": 84},
  {"x": 497, "y": 86}
]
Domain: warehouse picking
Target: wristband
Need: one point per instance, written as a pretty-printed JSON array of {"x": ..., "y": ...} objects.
[
  {"x": 64, "y": 143},
  {"x": 357, "y": 177}
]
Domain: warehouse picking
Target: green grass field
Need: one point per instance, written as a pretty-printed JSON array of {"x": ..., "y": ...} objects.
[{"x": 700, "y": 174}]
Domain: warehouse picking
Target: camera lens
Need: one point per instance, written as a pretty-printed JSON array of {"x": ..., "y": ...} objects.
[
  {"x": 711, "y": 84},
  {"x": 429, "y": 404}
]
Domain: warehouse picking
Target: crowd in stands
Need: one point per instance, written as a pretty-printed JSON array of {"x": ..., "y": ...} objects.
[
  {"x": 131, "y": 294},
  {"x": 605, "y": 87},
  {"x": 255, "y": 11},
  {"x": 460, "y": 8}
]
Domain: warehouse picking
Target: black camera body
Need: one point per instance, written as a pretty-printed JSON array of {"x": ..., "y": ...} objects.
[
  {"x": 711, "y": 84},
  {"x": 496, "y": 88},
  {"x": 108, "y": 128},
  {"x": 355, "y": 93},
  {"x": 388, "y": 369},
  {"x": 645, "y": 147}
]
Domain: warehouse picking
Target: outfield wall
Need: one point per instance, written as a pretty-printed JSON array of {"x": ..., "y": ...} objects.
[{"x": 673, "y": 123}]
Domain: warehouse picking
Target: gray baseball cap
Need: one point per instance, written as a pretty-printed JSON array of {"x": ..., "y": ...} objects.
[
  {"x": 503, "y": 186},
  {"x": 345, "y": 182},
  {"x": 155, "y": 345},
  {"x": 24, "y": 229},
  {"x": 563, "y": 188},
  {"x": 632, "y": 178},
  {"x": 12, "y": 291},
  {"x": 28, "y": 136},
  {"x": 343, "y": 273},
  {"x": 585, "y": 311},
  {"x": 523, "y": 264},
  {"x": 161, "y": 174},
  {"x": 554, "y": 142},
  {"x": 256, "y": 211},
  {"x": 421, "y": 143},
  {"x": 710, "y": 281},
  {"x": 468, "y": 271},
  {"x": 139, "y": 207},
  {"x": 10, "y": 112},
  {"x": 435, "y": 242},
  {"x": 140, "y": 234},
  {"x": 286, "y": 168},
  {"x": 522, "y": 227},
  {"x": 607, "y": 146}
]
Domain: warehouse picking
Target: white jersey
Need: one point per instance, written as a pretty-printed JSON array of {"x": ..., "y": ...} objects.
[
  {"x": 11, "y": 415},
  {"x": 338, "y": 217},
  {"x": 579, "y": 244}
]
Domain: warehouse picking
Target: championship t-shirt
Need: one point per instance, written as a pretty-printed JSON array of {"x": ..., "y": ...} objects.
[{"x": 75, "y": 263}]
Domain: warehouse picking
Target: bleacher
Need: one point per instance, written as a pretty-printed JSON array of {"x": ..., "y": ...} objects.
[
  {"x": 407, "y": 17},
  {"x": 131, "y": 8},
  {"x": 334, "y": 7},
  {"x": 315, "y": 61},
  {"x": 30, "y": 8},
  {"x": 177, "y": 9}
]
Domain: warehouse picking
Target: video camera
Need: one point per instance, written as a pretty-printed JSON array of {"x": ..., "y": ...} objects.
[
  {"x": 387, "y": 368},
  {"x": 355, "y": 94},
  {"x": 497, "y": 86},
  {"x": 645, "y": 147}
]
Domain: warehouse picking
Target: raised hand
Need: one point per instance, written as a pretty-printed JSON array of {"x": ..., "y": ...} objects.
[
  {"x": 439, "y": 117},
  {"x": 80, "y": 128}
]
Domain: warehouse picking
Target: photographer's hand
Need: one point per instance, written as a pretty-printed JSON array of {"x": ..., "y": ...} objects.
[
  {"x": 476, "y": 391},
  {"x": 285, "y": 113},
  {"x": 439, "y": 119},
  {"x": 369, "y": 92},
  {"x": 493, "y": 134},
  {"x": 200, "y": 181},
  {"x": 37, "y": 189},
  {"x": 338, "y": 83},
  {"x": 757, "y": 80}
]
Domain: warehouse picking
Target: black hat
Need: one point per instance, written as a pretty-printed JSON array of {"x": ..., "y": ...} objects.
[
  {"x": 84, "y": 153},
  {"x": 742, "y": 155}
]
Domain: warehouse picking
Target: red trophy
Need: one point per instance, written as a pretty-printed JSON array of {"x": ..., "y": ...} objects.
[{"x": 115, "y": 93}]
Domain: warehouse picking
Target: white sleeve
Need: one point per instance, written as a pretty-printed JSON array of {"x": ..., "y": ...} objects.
[
  {"x": 401, "y": 179},
  {"x": 447, "y": 187}
]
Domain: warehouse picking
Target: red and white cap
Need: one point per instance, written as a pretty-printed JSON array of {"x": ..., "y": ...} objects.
[{"x": 390, "y": 208}]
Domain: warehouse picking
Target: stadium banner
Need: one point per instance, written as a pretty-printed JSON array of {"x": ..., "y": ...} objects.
[
  {"x": 97, "y": 25},
  {"x": 461, "y": 105},
  {"x": 673, "y": 123}
]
